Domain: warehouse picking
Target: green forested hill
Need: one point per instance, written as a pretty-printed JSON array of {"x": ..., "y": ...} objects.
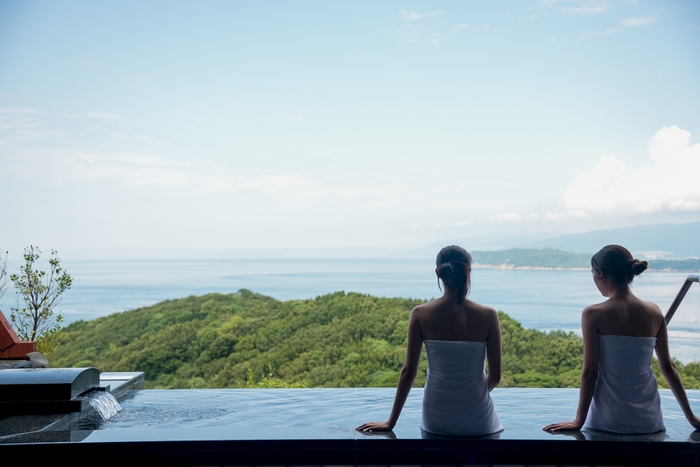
[
  {"x": 334, "y": 340},
  {"x": 689, "y": 265}
]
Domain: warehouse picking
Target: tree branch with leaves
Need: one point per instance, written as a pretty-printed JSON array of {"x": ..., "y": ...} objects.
[
  {"x": 38, "y": 294},
  {"x": 3, "y": 274}
]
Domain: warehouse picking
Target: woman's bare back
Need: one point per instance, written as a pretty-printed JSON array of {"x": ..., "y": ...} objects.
[
  {"x": 443, "y": 319},
  {"x": 626, "y": 316}
]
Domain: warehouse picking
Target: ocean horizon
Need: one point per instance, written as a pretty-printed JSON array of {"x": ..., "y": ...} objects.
[{"x": 544, "y": 299}]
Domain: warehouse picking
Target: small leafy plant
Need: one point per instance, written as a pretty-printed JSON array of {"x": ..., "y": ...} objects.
[{"x": 38, "y": 293}]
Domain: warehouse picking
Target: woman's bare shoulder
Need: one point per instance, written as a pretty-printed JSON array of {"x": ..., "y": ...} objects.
[
  {"x": 596, "y": 312},
  {"x": 481, "y": 309},
  {"x": 652, "y": 310},
  {"x": 651, "y": 306},
  {"x": 425, "y": 307},
  {"x": 633, "y": 303},
  {"x": 596, "y": 308}
]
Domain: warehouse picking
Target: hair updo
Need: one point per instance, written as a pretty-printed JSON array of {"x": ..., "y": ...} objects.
[
  {"x": 453, "y": 266},
  {"x": 617, "y": 262}
]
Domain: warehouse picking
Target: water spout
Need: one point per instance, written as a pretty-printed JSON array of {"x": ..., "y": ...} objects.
[{"x": 104, "y": 403}]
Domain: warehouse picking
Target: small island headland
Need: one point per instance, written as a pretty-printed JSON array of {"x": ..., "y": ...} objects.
[{"x": 534, "y": 259}]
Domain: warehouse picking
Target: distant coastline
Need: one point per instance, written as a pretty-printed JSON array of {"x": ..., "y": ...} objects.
[
  {"x": 550, "y": 259},
  {"x": 508, "y": 266}
]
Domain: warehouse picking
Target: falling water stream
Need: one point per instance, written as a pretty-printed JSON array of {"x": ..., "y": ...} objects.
[{"x": 105, "y": 404}]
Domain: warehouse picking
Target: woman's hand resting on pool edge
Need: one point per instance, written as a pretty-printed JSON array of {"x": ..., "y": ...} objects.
[
  {"x": 694, "y": 421},
  {"x": 375, "y": 426},
  {"x": 563, "y": 426}
]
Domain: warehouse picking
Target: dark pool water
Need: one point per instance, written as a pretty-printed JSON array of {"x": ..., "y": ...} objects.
[{"x": 213, "y": 414}]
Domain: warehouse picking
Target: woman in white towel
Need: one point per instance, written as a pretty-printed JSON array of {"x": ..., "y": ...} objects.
[
  {"x": 459, "y": 336},
  {"x": 619, "y": 392}
]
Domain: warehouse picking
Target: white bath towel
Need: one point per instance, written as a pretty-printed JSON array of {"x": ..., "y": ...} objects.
[
  {"x": 456, "y": 400},
  {"x": 626, "y": 397}
]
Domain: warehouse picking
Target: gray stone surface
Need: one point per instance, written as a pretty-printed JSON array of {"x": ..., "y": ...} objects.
[
  {"x": 33, "y": 360},
  {"x": 25, "y": 423},
  {"x": 45, "y": 384},
  {"x": 10, "y": 364},
  {"x": 37, "y": 360}
]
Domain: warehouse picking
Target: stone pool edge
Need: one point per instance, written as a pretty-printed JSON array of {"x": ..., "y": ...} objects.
[{"x": 53, "y": 427}]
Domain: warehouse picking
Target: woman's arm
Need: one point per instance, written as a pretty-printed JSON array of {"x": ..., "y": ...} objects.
[
  {"x": 668, "y": 369},
  {"x": 406, "y": 379},
  {"x": 493, "y": 352},
  {"x": 589, "y": 375}
]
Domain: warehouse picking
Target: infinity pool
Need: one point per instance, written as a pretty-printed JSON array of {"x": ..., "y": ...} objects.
[{"x": 265, "y": 414}]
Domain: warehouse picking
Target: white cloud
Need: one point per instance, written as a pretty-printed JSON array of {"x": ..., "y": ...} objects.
[
  {"x": 601, "y": 33},
  {"x": 587, "y": 8},
  {"x": 19, "y": 111},
  {"x": 85, "y": 63},
  {"x": 83, "y": 167},
  {"x": 414, "y": 30},
  {"x": 639, "y": 21},
  {"x": 482, "y": 27},
  {"x": 411, "y": 37},
  {"x": 513, "y": 216},
  {"x": 95, "y": 115},
  {"x": 625, "y": 23},
  {"x": 576, "y": 6},
  {"x": 287, "y": 116},
  {"x": 437, "y": 37},
  {"x": 102, "y": 115},
  {"x": 508, "y": 216},
  {"x": 670, "y": 184},
  {"x": 135, "y": 169},
  {"x": 410, "y": 15},
  {"x": 467, "y": 222},
  {"x": 21, "y": 125},
  {"x": 549, "y": 215}
]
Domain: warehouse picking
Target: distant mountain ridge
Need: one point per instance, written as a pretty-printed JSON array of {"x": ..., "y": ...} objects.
[
  {"x": 657, "y": 241},
  {"x": 550, "y": 258},
  {"x": 651, "y": 242}
]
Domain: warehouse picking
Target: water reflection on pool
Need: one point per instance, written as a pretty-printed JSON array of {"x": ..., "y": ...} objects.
[{"x": 331, "y": 414}]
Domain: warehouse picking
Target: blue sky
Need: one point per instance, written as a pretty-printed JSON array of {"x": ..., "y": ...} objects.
[{"x": 343, "y": 125}]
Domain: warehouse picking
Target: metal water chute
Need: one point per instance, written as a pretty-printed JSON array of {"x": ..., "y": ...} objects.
[{"x": 28, "y": 391}]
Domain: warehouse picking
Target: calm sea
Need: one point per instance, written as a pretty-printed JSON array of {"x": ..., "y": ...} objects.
[{"x": 543, "y": 300}]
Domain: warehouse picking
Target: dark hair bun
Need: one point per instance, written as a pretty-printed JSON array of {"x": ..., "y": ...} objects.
[
  {"x": 637, "y": 267},
  {"x": 453, "y": 267},
  {"x": 616, "y": 261},
  {"x": 445, "y": 272}
]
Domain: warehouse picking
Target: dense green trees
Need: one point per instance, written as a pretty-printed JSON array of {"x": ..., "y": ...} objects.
[{"x": 336, "y": 340}]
